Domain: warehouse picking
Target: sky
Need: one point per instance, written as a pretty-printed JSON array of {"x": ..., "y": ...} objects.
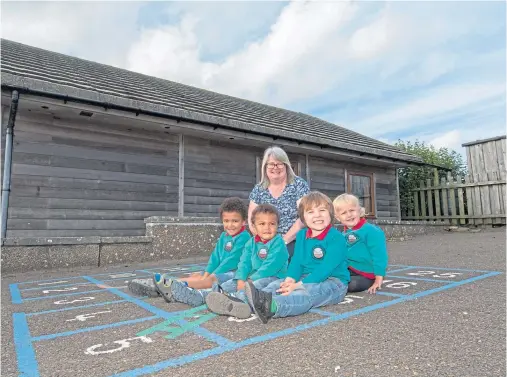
[{"x": 431, "y": 71}]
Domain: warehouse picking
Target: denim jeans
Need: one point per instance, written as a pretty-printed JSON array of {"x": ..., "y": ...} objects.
[
  {"x": 222, "y": 278},
  {"x": 231, "y": 286},
  {"x": 329, "y": 292}
]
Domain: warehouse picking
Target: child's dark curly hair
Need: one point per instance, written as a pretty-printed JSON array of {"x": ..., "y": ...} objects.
[
  {"x": 265, "y": 208},
  {"x": 234, "y": 205}
]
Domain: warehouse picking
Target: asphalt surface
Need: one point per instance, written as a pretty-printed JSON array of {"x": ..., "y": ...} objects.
[{"x": 450, "y": 324}]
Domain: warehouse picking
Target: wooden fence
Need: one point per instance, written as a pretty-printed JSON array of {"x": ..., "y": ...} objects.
[{"x": 464, "y": 201}]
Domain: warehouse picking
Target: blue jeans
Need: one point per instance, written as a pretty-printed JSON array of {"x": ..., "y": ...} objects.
[
  {"x": 222, "y": 278},
  {"x": 231, "y": 286},
  {"x": 329, "y": 292}
]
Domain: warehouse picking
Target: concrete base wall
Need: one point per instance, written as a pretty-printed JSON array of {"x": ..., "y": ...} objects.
[
  {"x": 34, "y": 254},
  {"x": 167, "y": 238}
]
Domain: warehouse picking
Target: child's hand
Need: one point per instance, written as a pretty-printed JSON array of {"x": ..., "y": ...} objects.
[
  {"x": 287, "y": 288},
  {"x": 377, "y": 284},
  {"x": 241, "y": 285},
  {"x": 287, "y": 282}
]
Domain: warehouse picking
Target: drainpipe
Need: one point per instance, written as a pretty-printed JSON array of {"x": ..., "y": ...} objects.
[{"x": 6, "y": 183}]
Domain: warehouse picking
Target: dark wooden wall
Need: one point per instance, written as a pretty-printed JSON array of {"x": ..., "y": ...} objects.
[{"x": 82, "y": 179}]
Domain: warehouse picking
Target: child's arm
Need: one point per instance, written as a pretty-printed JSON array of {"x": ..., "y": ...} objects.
[
  {"x": 245, "y": 262},
  {"x": 232, "y": 258},
  {"x": 295, "y": 269},
  {"x": 376, "y": 244},
  {"x": 377, "y": 247},
  {"x": 335, "y": 255},
  {"x": 214, "y": 259}
]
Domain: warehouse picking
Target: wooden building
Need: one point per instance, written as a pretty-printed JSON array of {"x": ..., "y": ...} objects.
[{"x": 97, "y": 149}]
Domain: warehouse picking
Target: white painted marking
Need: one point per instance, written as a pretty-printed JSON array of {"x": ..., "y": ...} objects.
[
  {"x": 54, "y": 282},
  {"x": 125, "y": 275},
  {"x": 349, "y": 298},
  {"x": 124, "y": 343},
  {"x": 60, "y": 290},
  {"x": 234, "y": 319},
  {"x": 84, "y": 317},
  {"x": 65, "y": 302},
  {"x": 445, "y": 275},
  {"x": 399, "y": 284}
]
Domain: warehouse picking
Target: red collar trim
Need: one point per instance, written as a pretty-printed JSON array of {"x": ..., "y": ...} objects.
[
  {"x": 241, "y": 230},
  {"x": 258, "y": 239},
  {"x": 321, "y": 236},
  {"x": 358, "y": 225}
]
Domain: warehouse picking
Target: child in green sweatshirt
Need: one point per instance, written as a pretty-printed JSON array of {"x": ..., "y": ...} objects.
[
  {"x": 222, "y": 263},
  {"x": 264, "y": 260},
  {"x": 317, "y": 274},
  {"x": 366, "y": 245}
]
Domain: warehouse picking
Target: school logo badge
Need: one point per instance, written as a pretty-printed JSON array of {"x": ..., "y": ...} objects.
[
  {"x": 318, "y": 252},
  {"x": 263, "y": 253},
  {"x": 228, "y": 246},
  {"x": 351, "y": 238}
]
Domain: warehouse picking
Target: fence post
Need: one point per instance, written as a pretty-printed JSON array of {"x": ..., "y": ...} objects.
[
  {"x": 416, "y": 206},
  {"x": 477, "y": 200},
  {"x": 445, "y": 200},
  {"x": 430, "y": 199},
  {"x": 470, "y": 201},
  {"x": 452, "y": 197},
  {"x": 461, "y": 202},
  {"x": 438, "y": 213},
  {"x": 423, "y": 200},
  {"x": 494, "y": 192}
]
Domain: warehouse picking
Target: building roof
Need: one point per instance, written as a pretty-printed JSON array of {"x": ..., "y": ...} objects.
[{"x": 38, "y": 71}]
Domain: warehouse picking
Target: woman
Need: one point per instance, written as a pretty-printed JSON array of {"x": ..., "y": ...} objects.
[{"x": 280, "y": 187}]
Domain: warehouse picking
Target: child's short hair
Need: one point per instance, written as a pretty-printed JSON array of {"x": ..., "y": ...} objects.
[
  {"x": 314, "y": 199},
  {"x": 234, "y": 205},
  {"x": 265, "y": 208},
  {"x": 349, "y": 199}
]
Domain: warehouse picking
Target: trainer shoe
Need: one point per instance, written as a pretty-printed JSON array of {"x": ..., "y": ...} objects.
[
  {"x": 223, "y": 304},
  {"x": 260, "y": 301},
  {"x": 143, "y": 287}
]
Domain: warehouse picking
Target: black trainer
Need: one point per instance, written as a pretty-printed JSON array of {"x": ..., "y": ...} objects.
[{"x": 260, "y": 301}]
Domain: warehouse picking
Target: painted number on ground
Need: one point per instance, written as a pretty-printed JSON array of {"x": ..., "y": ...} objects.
[
  {"x": 125, "y": 275},
  {"x": 445, "y": 275},
  {"x": 54, "y": 282},
  {"x": 400, "y": 284},
  {"x": 124, "y": 343},
  {"x": 349, "y": 298},
  {"x": 65, "y": 302},
  {"x": 84, "y": 317},
  {"x": 59, "y": 290}
]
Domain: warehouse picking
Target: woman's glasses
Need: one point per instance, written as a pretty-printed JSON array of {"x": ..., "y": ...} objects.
[{"x": 272, "y": 165}]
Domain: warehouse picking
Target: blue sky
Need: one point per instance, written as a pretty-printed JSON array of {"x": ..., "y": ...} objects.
[{"x": 433, "y": 71}]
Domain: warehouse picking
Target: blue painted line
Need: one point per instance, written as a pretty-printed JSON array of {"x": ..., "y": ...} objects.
[
  {"x": 94, "y": 328},
  {"x": 408, "y": 277},
  {"x": 74, "y": 308},
  {"x": 433, "y": 268},
  {"x": 68, "y": 294},
  {"x": 27, "y": 363},
  {"x": 389, "y": 294},
  {"x": 15, "y": 294},
  {"x": 399, "y": 269},
  {"x": 179, "y": 361},
  {"x": 322, "y": 312},
  {"x": 166, "y": 315}
]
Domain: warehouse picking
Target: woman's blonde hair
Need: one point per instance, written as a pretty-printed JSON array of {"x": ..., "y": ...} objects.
[
  {"x": 348, "y": 199},
  {"x": 278, "y": 154}
]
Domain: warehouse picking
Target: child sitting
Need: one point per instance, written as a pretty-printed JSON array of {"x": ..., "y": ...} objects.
[
  {"x": 222, "y": 262},
  {"x": 317, "y": 273},
  {"x": 366, "y": 243},
  {"x": 264, "y": 260}
]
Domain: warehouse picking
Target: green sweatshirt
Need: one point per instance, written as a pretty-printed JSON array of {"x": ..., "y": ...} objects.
[
  {"x": 367, "y": 249},
  {"x": 227, "y": 253},
  {"x": 319, "y": 258},
  {"x": 261, "y": 260}
]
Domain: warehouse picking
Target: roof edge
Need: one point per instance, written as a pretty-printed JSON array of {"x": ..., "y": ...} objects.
[{"x": 44, "y": 88}]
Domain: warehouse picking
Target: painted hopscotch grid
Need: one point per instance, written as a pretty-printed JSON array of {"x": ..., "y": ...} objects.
[{"x": 398, "y": 278}]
